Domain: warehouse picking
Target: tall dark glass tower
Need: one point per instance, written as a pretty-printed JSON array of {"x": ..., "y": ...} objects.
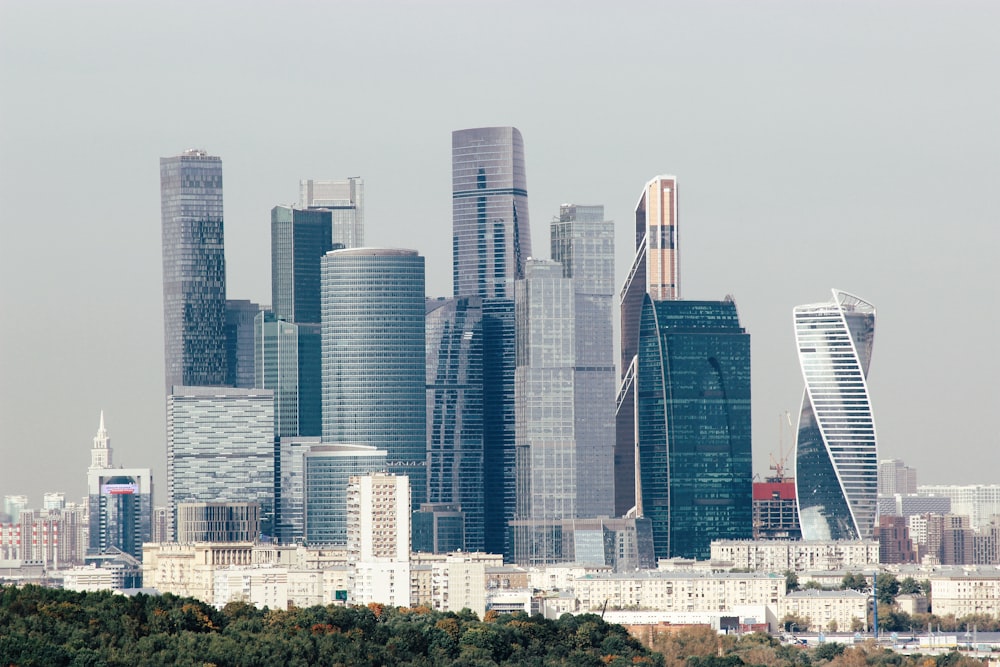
[
  {"x": 455, "y": 473},
  {"x": 194, "y": 269},
  {"x": 491, "y": 240},
  {"x": 693, "y": 388},
  {"x": 374, "y": 357},
  {"x": 299, "y": 239}
]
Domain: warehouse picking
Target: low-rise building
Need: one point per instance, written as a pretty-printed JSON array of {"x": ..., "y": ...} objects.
[
  {"x": 798, "y": 556},
  {"x": 966, "y": 592},
  {"x": 825, "y": 610},
  {"x": 678, "y": 591}
]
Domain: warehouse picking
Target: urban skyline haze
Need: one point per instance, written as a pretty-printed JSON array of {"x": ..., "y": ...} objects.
[{"x": 816, "y": 145}]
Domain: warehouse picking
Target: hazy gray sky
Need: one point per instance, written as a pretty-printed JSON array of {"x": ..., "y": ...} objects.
[{"x": 817, "y": 144}]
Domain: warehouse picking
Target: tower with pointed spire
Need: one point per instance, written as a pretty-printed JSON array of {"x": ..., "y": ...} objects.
[{"x": 100, "y": 453}]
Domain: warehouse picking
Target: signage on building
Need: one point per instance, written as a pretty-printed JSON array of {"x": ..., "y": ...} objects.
[{"x": 128, "y": 489}]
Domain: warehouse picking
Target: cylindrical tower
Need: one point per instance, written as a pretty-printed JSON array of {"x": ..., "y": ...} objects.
[{"x": 374, "y": 369}]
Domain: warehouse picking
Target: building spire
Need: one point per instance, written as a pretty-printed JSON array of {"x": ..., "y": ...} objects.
[{"x": 100, "y": 454}]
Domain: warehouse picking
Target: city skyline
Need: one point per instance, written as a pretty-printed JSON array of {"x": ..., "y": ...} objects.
[{"x": 799, "y": 154}]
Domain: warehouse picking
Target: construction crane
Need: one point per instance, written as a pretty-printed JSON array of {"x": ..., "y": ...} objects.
[{"x": 778, "y": 465}]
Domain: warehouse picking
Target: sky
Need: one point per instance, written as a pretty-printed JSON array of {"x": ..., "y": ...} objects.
[{"x": 828, "y": 144}]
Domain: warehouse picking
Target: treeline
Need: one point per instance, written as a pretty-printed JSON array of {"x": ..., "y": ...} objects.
[{"x": 51, "y": 627}]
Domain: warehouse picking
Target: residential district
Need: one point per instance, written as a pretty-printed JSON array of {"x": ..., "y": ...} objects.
[{"x": 357, "y": 441}]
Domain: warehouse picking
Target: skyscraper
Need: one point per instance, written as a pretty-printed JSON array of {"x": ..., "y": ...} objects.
[
  {"x": 220, "y": 448},
  {"x": 345, "y": 200},
  {"x": 374, "y": 370},
  {"x": 455, "y": 473},
  {"x": 491, "y": 237},
  {"x": 693, "y": 391},
  {"x": 194, "y": 269},
  {"x": 299, "y": 239},
  {"x": 327, "y": 470},
  {"x": 836, "y": 464},
  {"x": 491, "y": 240},
  {"x": 655, "y": 271},
  {"x": 584, "y": 243},
  {"x": 240, "y": 314}
]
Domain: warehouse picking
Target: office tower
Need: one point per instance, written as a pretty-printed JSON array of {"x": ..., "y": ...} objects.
[
  {"x": 287, "y": 362},
  {"x": 894, "y": 543},
  {"x": 895, "y": 477},
  {"x": 327, "y": 469},
  {"x": 545, "y": 419},
  {"x": 240, "y": 314},
  {"x": 374, "y": 359},
  {"x": 220, "y": 448},
  {"x": 693, "y": 402},
  {"x": 378, "y": 517},
  {"x": 289, "y": 488},
  {"x": 491, "y": 237},
  {"x": 345, "y": 199},
  {"x": 218, "y": 522},
  {"x": 655, "y": 271},
  {"x": 455, "y": 472},
  {"x": 836, "y": 461},
  {"x": 583, "y": 242},
  {"x": 53, "y": 501},
  {"x": 13, "y": 506},
  {"x": 439, "y": 528},
  {"x": 299, "y": 239},
  {"x": 194, "y": 269},
  {"x": 499, "y": 362},
  {"x": 120, "y": 501}
]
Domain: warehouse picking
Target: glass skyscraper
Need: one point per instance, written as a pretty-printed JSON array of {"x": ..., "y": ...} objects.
[
  {"x": 584, "y": 243},
  {"x": 499, "y": 361},
  {"x": 194, "y": 269},
  {"x": 299, "y": 239},
  {"x": 327, "y": 471},
  {"x": 693, "y": 390},
  {"x": 836, "y": 462},
  {"x": 240, "y": 314},
  {"x": 491, "y": 237},
  {"x": 655, "y": 271},
  {"x": 345, "y": 201},
  {"x": 455, "y": 474},
  {"x": 220, "y": 447},
  {"x": 374, "y": 357}
]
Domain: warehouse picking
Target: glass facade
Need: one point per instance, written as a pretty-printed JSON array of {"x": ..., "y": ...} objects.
[
  {"x": 194, "y": 270},
  {"x": 836, "y": 462},
  {"x": 374, "y": 358},
  {"x": 546, "y": 448},
  {"x": 326, "y": 473},
  {"x": 120, "y": 504},
  {"x": 299, "y": 239},
  {"x": 655, "y": 271},
  {"x": 289, "y": 488},
  {"x": 345, "y": 200},
  {"x": 693, "y": 389},
  {"x": 491, "y": 237},
  {"x": 499, "y": 361},
  {"x": 240, "y": 315},
  {"x": 220, "y": 448},
  {"x": 584, "y": 243},
  {"x": 455, "y": 473}
]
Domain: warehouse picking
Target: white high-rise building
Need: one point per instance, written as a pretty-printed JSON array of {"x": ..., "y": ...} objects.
[{"x": 378, "y": 538}]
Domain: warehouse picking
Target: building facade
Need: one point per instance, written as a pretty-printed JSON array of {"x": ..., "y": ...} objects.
[
  {"x": 491, "y": 235},
  {"x": 836, "y": 461},
  {"x": 693, "y": 397},
  {"x": 345, "y": 200},
  {"x": 299, "y": 239},
  {"x": 655, "y": 271},
  {"x": 327, "y": 469},
  {"x": 583, "y": 242},
  {"x": 194, "y": 270},
  {"x": 455, "y": 469},
  {"x": 240, "y": 314},
  {"x": 374, "y": 357},
  {"x": 220, "y": 448}
]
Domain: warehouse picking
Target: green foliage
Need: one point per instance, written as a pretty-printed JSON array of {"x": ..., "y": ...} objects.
[
  {"x": 888, "y": 587},
  {"x": 910, "y": 586},
  {"x": 791, "y": 581},
  {"x": 61, "y": 628},
  {"x": 854, "y": 581},
  {"x": 828, "y": 650}
]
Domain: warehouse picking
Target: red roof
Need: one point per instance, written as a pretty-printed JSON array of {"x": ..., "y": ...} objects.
[{"x": 767, "y": 490}]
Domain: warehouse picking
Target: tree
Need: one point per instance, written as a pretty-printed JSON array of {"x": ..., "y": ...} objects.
[
  {"x": 909, "y": 586},
  {"x": 831, "y": 627},
  {"x": 791, "y": 581},
  {"x": 888, "y": 587},
  {"x": 854, "y": 581}
]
